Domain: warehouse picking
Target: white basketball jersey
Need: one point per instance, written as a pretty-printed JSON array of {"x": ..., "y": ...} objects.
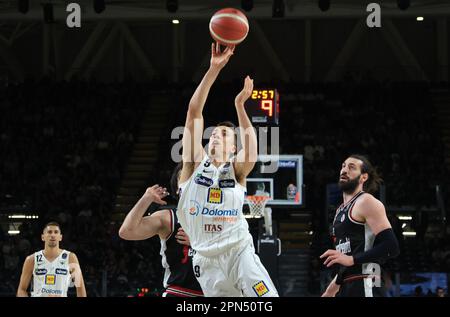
[
  {"x": 51, "y": 278},
  {"x": 210, "y": 209}
]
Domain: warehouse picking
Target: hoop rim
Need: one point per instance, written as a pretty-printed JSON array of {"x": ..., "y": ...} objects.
[{"x": 257, "y": 198}]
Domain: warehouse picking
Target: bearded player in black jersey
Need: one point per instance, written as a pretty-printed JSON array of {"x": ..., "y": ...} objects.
[
  {"x": 179, "y": 278},
  {"x": 361, "y": 232}
]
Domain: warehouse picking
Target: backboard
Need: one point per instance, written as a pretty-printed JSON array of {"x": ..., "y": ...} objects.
[{"x": 280, "y": 176}]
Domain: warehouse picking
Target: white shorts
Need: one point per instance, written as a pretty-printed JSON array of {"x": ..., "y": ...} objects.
[{"x": 235, "y": 273}]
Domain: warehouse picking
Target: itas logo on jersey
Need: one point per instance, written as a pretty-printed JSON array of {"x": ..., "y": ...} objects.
[
  {"x": 260, "y": 288},
  {"x": 40, "y": 271},
  {"x": 227, "y": 183},
  {"x": 61, "y": 271},
  {"x": 209, "y": 228},
  {"x": 203, "y": 181},
  {"x": 64, "y": 256},
  {"x": 50, "y": 279},
  {"x": 214, "y": 196}
]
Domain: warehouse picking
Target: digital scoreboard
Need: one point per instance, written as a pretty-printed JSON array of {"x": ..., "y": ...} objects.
[{"x": 263, "y": 106}]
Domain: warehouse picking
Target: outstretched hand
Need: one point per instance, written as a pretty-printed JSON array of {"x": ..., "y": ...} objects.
[
  {"x": 218, "y": 58},
  {"x": 336, "y": 257},
  {"x": 157, "y": 193},
  {"x": 245, "y": 93}
]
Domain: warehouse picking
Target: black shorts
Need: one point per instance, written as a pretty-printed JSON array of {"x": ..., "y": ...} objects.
[{"x": 359, "y": 288}]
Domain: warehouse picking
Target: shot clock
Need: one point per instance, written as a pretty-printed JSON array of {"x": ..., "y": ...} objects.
[{"x": 263, "y": 106}]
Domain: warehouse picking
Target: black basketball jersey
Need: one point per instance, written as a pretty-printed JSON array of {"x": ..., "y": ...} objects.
[
  {"x": 179, "y": 278},
  {"x": 351, "y": 237}
]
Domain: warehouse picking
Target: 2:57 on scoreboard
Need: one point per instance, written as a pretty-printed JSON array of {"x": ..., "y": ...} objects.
[{"x": 263, "y": 106}]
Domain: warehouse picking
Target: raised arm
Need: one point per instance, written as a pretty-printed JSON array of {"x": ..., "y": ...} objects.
[
  {"x": 79, "y": 281},
  {"x": 25, "y": 278},
  {"x": 246, "y": 158},
  {"x": 137, "y": 227},
  {"x": 193, "y": 151}
]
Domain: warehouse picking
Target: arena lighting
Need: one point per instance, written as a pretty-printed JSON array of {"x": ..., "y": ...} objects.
[
  {"x": 247, "y": 5},
  {"x": 409, "y": 234},
  {"x": 403, "y": 225},
  {"x": 278, "y": 9},
  {"x": 13, "y": 232},
  {"x": 403, "y": 4},
  {"x": 176, "y": 21},
  {"x": 99, "y": 6},
  {"x": 324, "y": 5},
  {"x": 23, "y": 6},
  {"x": 172, "y": 5},
  {"x": 404, "y": 217},
  {"x": 23, "y": 217},
  {"x": 420, "y": 19}
]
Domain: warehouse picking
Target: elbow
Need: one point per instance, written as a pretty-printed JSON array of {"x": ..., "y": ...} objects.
[
  {"x": 193, "y": 112},
  {"x": 394, "y": 247},
  {"x": 395, "y": 251},
  {"x": 124, "y": 233}
]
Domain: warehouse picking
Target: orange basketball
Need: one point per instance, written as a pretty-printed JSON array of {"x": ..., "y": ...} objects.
[{"x": 228, "y": 26}]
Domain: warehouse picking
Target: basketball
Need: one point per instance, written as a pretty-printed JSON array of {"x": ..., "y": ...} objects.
[{"x": 228, "y": 26}]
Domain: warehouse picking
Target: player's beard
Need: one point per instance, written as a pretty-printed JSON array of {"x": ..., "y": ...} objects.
[{"x": 350, "y": 185}]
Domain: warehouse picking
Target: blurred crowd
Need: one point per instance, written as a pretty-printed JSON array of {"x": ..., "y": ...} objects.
[{"x": 63, "y": 149}]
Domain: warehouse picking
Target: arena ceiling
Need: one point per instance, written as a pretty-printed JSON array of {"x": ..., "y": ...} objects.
[
  {"x": 137, "y": 37},
  {"x": 202, "y": 9}
]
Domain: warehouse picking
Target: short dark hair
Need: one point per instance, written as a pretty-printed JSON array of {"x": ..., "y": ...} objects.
[
  {"x": 231, "y": 125},
  {"x": 374, "y": 181},
  {"x": 52, "y": 223},
  {"x": 174, "y": 179},
  {"x": 227, "y": 124}
]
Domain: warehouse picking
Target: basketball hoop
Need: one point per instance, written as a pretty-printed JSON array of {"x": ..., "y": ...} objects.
[{"x": 256, "y": 204}]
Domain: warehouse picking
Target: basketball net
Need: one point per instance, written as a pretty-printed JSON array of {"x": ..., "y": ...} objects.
[{"x": 256, "y": 204}]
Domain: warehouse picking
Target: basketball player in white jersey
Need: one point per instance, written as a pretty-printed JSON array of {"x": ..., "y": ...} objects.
[
  {"x": 52, "y": 269},
  {"x": 212, "y": 192}
]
